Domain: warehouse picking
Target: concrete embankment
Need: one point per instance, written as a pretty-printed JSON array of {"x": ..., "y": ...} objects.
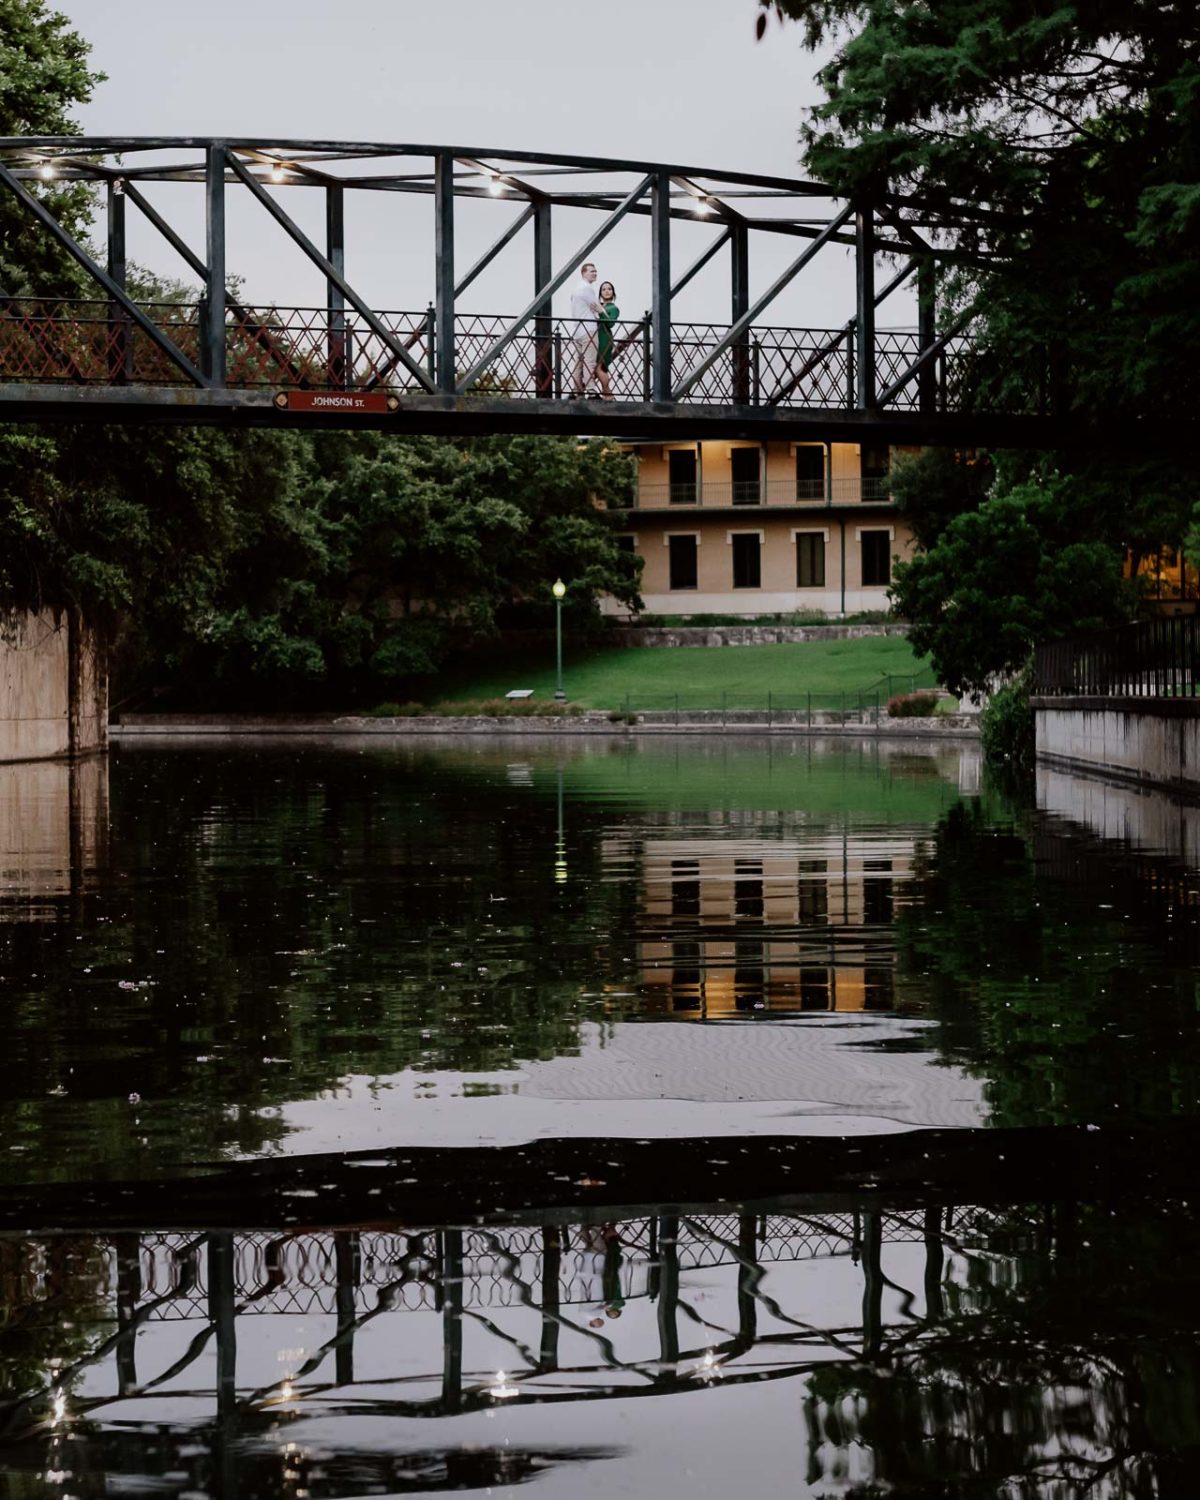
[{"x": 165, "y": 726}]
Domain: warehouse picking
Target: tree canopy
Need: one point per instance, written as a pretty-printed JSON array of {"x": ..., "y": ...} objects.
[{"x": 1060, "y": 145}]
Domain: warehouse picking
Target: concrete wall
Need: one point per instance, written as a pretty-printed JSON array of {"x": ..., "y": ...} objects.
[
  {"x": 53, "y": 833},
  {"x": 53, "y": 687},
  {"x": 1143, "y": 816},
  {"x": 1154, "y": 742}
]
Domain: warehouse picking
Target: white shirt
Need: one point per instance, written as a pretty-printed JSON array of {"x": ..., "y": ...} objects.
[{"x": 585, "y": 304}]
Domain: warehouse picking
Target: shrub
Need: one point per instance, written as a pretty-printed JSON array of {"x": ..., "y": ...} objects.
[
  {"x": 919, "y": 705},
  {"x": 505, "y": 708},
  {"x": 1006, "y": 727},
  {"x": 397, "y": 710}
]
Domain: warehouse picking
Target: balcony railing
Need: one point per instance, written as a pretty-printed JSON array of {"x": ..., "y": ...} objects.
[{"x": 720, "y": 494}]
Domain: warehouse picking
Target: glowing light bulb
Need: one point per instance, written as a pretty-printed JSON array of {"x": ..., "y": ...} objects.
[
  {"x": 703, "y": 206},
  {"x": 495, "y": 187},
  {"x": 47, "y": 171},
  {"x": 277, "y": 173}
]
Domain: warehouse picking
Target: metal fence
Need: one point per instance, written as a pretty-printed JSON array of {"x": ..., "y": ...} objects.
[{"x": 1150, "y": 659}]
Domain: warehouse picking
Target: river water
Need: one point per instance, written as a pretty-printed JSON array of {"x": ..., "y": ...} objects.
[{"x": 666, "y": 1115}]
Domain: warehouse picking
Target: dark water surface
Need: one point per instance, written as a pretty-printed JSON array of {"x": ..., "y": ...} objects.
[{"x": 214, "y": 955}]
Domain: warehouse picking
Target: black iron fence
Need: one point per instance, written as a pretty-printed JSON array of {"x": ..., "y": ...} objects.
[{"x": 1150, "y": 659}]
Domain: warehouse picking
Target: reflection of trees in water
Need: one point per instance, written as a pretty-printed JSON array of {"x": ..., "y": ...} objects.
[
  {"x": 302, "y": 928},
  {"x": 1060, "y": 969},
  {"x": 1062, "y": 1362}
]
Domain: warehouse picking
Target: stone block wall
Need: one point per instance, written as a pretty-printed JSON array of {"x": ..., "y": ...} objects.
[
  {"x": 1155, "y": 741},
  {"x": 53, "y": 687}
]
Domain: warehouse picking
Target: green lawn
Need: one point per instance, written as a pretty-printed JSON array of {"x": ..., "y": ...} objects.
[{"x": 703, "y": 677}]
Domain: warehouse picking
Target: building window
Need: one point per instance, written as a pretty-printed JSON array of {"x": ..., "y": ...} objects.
[
  {"x": 745, "y": 464},
  {"x": 747, "y": 559},
  {"x": 813, "y": 892},
  {"x": 877, "y": 892},
  {"x": 681, "y": 470},
  {"x": 810, "y": 559},
  {"x": 876, "y": 559},
  {"x": 681, "y": 551},
  {"x": 747, "y": 890},
  {"x": 874, "y": 464},
  {"x": 810, "y": 473},
  {"x": 685, "y": 887}
]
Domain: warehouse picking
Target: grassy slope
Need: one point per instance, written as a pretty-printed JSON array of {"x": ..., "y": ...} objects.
[{"x": 652, "y": 675}]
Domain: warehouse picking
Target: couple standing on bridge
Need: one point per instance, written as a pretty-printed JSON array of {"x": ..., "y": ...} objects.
[{"x": 593, "y": 314}]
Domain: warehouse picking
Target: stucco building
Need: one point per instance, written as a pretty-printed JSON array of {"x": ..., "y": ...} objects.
[{"x": 751, "y": 528}]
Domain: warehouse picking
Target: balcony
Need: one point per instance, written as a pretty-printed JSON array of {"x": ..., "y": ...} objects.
[{"x": 808, "y": 494}]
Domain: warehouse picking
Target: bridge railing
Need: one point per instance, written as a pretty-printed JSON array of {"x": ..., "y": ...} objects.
[
  {"x": 95, "y": 342},
  {"x": 1150, "y": 659}
]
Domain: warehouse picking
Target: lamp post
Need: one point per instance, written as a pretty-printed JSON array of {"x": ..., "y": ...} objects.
[{"x": 558, "y": 589}]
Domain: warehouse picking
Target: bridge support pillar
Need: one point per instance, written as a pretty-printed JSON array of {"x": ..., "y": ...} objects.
[
  {"x": 212, "y": 332},
  {"x": 739, "y": 247},
  {"x": 660, "y": 284},
  {"x": 53, "y": 687},
  {"x": 864, "y": 328},
  {"x": 543, "y": 274},
  {"x": 927, "y": 383},
  {"x": 340, "y": 374},
  {"x": 443, "y": 215}
]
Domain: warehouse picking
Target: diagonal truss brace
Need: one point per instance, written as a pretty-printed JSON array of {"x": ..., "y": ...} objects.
[
  {"x": 116, "y": 293},
  {"x": 331, "y": 273},
  {"x": 491, "y": 253},
  {"x": 746, "y": 321},
  {"x": 545, "y": 293},
  {"x": 931, "y": 351},
  {"x": 827, "y": 348}
]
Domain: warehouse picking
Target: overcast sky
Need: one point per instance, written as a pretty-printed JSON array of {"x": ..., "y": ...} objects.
[{"x": 673, "y": 80}]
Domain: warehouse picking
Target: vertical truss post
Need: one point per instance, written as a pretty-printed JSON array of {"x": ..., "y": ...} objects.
[
  {"x": 212, "y": 331},
  {"x": 450, "y": 1279},
  {"x": 739, "y": 265},
  {"x": 927, "y": 383},
  {"x": 660, "y": 282},
  {"x": 864, "y": 322},
  {"x": 747, "y": 1277},
  {"x": 872, "y": 1283},
  {"x": 934, "y": 1261},
  {"x": 120, "y": 360},
  {"x": 335, "y": 252},
  {"x": 668, "y": 1292},
  {"x": 129, "y": 1289},
  {"x": 222, "y": 1313},
  {"x": 348, "y": 1261},
  {"x": 551, "y": 1272},
  {"x": 443, "y": 212},
  {"x": 543, "y": 274}
]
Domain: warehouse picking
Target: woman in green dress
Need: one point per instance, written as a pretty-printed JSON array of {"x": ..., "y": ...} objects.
[{"x": 605, "y": 343}]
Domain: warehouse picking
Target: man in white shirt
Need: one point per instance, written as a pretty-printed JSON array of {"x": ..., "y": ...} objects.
[{"x": 585, "y": 309}]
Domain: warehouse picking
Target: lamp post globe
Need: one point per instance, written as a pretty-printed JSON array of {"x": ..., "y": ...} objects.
[{"x": 558, "y": 589}]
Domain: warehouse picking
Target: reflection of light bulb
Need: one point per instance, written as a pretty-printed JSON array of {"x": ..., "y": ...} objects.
[
  {"x": 709, "y": 1367},
  {"x": 58, "y": 1407},
  {"x": 560, "y": 870},
  {"x": 287, "y": 1390},
  {"x": 500, "y": 1390}
]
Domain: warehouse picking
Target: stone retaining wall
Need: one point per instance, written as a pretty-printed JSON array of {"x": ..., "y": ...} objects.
[
  {"x": 53, "y": 687},
  {"x": 742, "y": 635},
  {"x": 1136, "y": 741}
]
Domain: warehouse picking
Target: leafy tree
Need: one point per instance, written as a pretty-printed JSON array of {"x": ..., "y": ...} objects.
[{"x": 1059, "y": 144}]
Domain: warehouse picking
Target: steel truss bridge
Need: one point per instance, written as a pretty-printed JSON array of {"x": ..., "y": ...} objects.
[{"x": 215, "y": 357}]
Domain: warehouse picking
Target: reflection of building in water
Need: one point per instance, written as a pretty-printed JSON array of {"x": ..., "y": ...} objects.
[
  {"x": 53, "y": 831},
  {"x": 729, "y": 925}
]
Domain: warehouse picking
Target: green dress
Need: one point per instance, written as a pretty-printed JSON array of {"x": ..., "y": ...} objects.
[{"x": 604, "y": 349}]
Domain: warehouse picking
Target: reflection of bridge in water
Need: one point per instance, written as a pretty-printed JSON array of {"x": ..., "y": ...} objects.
[
  {"x": 706, "y": 1291},
  {"x": 354, "y": 356}
]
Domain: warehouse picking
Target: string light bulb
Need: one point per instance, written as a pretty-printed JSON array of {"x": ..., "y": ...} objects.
[
  {"x": 277, "y": 172},
  {"x": 495, "y": 187},
  {"x": 47, "y": 171},
  {"x": 703, "y": 206}
]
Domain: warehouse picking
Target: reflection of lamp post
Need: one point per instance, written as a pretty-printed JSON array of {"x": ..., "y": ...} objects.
[
  {"x": 560, "y": 842},
  {"x": 558, "y": 589}
]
